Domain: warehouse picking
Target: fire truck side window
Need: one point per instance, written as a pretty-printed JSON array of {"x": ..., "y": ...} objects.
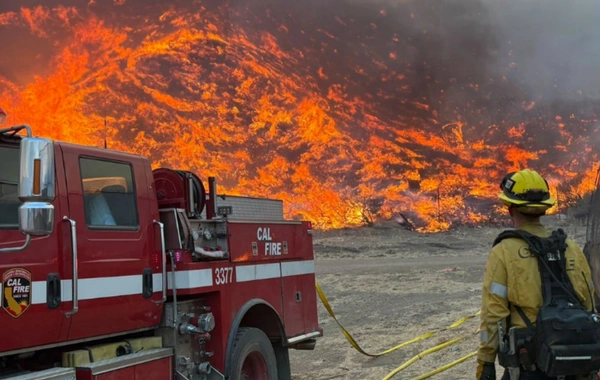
[
  {"x": 9, "y": 182},
  {"x": 108, "y": 194}
]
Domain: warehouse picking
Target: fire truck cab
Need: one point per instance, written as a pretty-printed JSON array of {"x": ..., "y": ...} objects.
[{"x": 110, "y": 270}]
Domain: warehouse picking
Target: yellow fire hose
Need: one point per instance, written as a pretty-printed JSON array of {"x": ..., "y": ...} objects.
[
  {"x": 427, "y": 335},
  {"x": 446, "y": 367},
  {"x": 404, "y": 344},
  {"x": 431, "y": 350}
]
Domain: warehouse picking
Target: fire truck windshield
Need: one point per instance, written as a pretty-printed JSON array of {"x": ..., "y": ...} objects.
[{"x": 9, "y": 181}]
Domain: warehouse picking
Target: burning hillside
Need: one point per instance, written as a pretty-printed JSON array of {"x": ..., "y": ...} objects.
[{"x": 346, "y": 110}]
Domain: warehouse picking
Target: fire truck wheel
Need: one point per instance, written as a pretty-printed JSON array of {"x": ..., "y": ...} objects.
[{"x": 253, "y": 357}]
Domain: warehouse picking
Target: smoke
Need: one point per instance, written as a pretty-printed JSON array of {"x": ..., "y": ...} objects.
[{"x": 552, "y": 44}]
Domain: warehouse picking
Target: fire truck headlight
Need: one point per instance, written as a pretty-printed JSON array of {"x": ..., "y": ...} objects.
[{"x": 206, "y": 322}]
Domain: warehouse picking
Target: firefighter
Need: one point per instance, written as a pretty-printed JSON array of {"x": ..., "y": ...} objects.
[{"x": 510, "y": 270}]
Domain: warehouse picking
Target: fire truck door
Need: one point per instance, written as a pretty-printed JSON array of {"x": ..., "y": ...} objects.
[
  {"x": 109, "y": 200},
  {"x": 31, "y": 312}
]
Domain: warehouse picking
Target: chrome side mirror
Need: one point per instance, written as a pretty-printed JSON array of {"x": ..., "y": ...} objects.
[
  {"x": 36, "y": 186},
  {"x": 37, "y": 179},
  {"x": 36, "y": 218}
]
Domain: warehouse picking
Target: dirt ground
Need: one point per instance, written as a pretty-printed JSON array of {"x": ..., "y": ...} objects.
[{"x": 388, "y": 285}]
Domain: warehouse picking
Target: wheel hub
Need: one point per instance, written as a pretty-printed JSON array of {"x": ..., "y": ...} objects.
[{"x": 254, "y": 367}]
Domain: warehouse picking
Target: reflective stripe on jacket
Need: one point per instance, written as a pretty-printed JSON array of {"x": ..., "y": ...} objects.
[{"x": 512, "y": 275}]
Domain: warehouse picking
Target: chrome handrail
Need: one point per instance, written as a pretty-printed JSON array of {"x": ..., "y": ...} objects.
[
  {"x": 75, "y": 263},
  {"x": 164, "y": 259}
]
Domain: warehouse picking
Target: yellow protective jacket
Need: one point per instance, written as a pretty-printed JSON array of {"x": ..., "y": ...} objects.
[{"x": 512, "y": 276}]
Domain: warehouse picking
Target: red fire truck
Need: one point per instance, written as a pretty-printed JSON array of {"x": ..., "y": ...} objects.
[{"x": 112, "y": 270}]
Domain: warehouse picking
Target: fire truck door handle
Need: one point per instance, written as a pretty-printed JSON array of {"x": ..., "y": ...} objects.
[
  {"x": 147, "y": 283},
  {"x": 164, "y": 259},
  {"x": 75, "y": 273},
  {"x": 53, "y": 291}
]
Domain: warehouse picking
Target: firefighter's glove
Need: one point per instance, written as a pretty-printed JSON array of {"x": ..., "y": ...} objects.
[{"x": 486, "y": 371}]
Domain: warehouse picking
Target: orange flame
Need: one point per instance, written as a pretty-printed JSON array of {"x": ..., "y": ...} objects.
[{"x": 253, "y": 107}]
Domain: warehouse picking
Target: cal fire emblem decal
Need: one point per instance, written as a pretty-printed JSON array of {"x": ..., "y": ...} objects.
[{"x": 16, "y": 291}]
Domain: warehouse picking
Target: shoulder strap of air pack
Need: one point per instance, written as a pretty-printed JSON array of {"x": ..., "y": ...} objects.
[{"x": 531, "y": 239}]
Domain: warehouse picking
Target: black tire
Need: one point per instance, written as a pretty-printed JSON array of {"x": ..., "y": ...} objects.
[
  {"x": 284, "y": 370},
  {"x": 250, "y": 340}
]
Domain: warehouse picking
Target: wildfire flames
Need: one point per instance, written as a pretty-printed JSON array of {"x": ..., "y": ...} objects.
[{"x": 347, "y": 110}]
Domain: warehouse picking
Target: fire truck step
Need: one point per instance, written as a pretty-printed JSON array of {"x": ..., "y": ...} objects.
[
  {"x": 145, "y": 365},
  {"x": 50, "y": 374},
  {"x": 109, "y": 351}
]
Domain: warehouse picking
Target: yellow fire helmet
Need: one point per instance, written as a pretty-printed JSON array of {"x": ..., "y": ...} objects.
[{"x": 526, "y": 190}]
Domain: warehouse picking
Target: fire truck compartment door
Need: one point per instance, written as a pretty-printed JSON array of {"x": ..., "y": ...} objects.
[
  {"x": 298, "y": 288},
  {"x": 109, "y": 199}
]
